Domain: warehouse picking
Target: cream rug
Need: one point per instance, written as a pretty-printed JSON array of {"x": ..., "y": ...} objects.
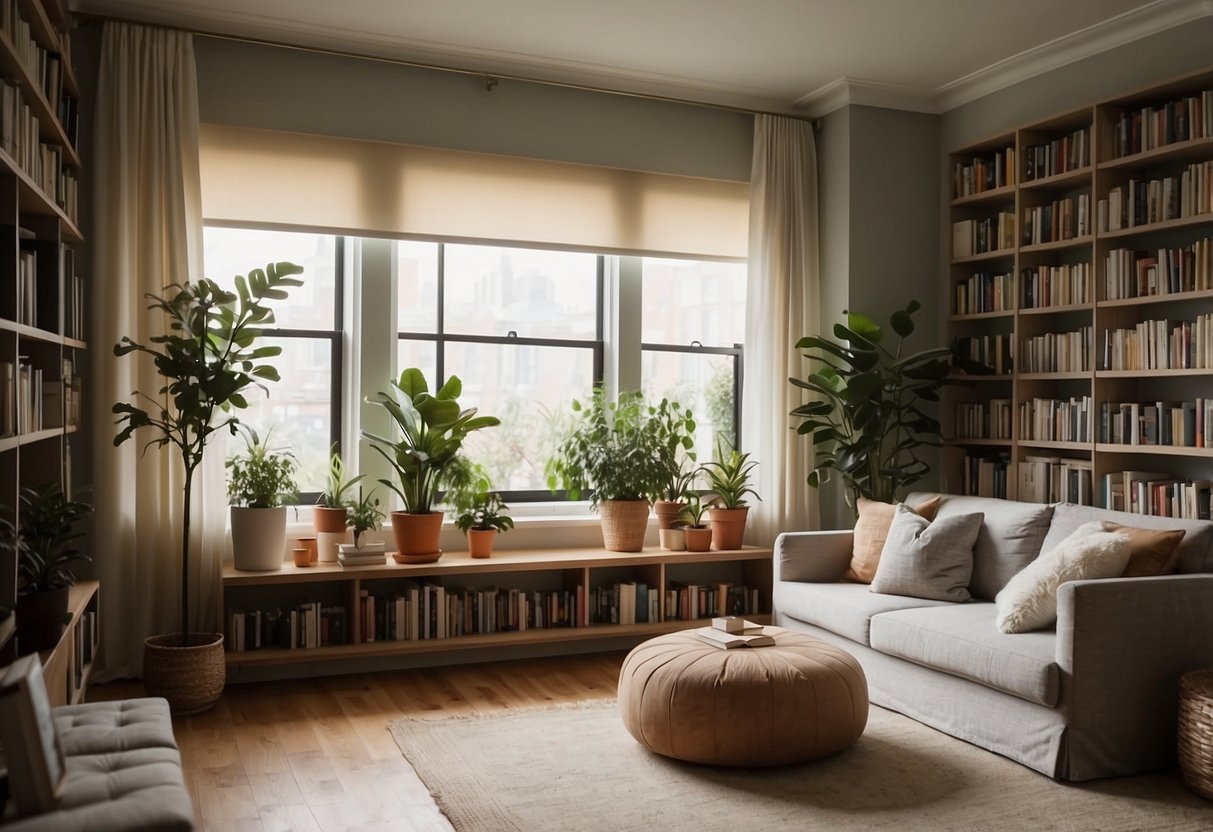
[{"x": 579, "y": 769}]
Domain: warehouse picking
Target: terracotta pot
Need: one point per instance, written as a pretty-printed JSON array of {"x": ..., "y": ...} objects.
[
  {"x": 667, "y": 512},
  {"x": 258, "y": 538},
  {"x": 41, "y": 617},
  {"x": 624, "y": 523},
  {"x": 313, "y": 548},
  {"x": 728, "y": 526},
  {"x": 699, "y": 539},
  {"x": 301, "y": 557},
  {"x": 416, "y": 534},
  {"x": 330, "y": 520},
  {"x": 187, "y": 670},
  {"x": 480, "y": 542}
]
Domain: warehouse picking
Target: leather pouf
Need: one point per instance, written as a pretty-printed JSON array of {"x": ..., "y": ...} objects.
[{"x": 751, "y": 706}]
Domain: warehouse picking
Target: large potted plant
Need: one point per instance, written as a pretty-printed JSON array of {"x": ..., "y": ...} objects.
[
  {"x": 674, "y": 427},
  {"x": 49, "y": 522},
  {"x": 866, "y": 422},
  {"x": 331, "y": 509},
  {"x": 260, "y": 484},
  {"x": 431, "y": 430},
  {"x": 610, "y": 453},
  {"x": 728, "y": 479},
  {"x": 208, "y": 359}
]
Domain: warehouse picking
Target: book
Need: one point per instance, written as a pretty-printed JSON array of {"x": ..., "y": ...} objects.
[
  {"x": 730, "y": 641},
  {"x": 736, "y": 625}
]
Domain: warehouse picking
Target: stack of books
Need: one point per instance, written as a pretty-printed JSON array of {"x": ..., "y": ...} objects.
[
  {"x": 369, "y": 554},
  {"x": 732, "y": 631}
]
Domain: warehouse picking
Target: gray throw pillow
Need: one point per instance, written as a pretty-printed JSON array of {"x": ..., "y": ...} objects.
[{"x": 924, "y": 559}]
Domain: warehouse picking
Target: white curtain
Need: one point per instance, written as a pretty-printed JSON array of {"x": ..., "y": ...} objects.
[
  {"x": 147, "y": 232},
  {"x": 781, "y": 308}
]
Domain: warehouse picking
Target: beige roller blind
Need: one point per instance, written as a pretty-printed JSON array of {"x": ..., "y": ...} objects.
[{"x": 346, "y": 185}]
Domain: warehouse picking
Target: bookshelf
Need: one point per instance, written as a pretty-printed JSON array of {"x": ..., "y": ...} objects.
[
  {"x": 476, "y": 591},
  {"x": 42, "y": 344},
  {"x": 1096, "y": 324}
]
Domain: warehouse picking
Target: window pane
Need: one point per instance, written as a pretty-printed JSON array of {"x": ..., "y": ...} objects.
[
  {"x": 422, "y": 354},
  {"x": 538, "y": 294},
  {"x": 231, "y": 251},
  {"x": 297, "y": 414},
  {"x": 529, "y": 389},
  {"x": 417, "y": 287},
  {"x": 702, "y": 382},
  {"x": 691, "y": 300}
]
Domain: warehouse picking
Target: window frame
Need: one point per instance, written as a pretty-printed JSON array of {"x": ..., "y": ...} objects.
[{"x": 737, "y": 351}]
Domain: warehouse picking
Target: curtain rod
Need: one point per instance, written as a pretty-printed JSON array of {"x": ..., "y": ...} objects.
[{"x": 491, "y": 78}]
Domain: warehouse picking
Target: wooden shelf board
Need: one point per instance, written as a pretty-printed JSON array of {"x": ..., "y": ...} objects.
[
  {"x": 1059, "y": 180},
  {"x": 1147, "y": 300},
  {"x": 985, "y": 443},
  {"x": 1176, "y": 151},
  {"x": 1150, "y": 373},
  {"x": 1057, "y": 245},
  {"x": 1057, "y": 310},
  {"x": 1154, "y": 227},
  {"x": 1079, "y": 376},
  {"x": 36, "y": 436},
  {"x": 968, "y": 377},
  {"x": 1056, "y": 446},
  {"x": 994, "y": 195},
  {"x": 1152, "y": 450},
  {"x": 33, "y": 200},
  {"x": 987, "y": 255},
  {"x": 982, "y": 316}
]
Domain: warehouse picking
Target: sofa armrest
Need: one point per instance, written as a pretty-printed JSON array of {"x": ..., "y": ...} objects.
[
  {"x": 813, "y": 557},
  {"x": 1122, "y": 644}
]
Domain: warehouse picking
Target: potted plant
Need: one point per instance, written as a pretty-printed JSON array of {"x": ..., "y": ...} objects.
[
  {"x": 431, "y": 428},
  {"x": 208, "y": 358},
  {"x": 611, "y": 452},
  {"x": 364, "y": 516},
  {"x": 867, "y": 423},
  {"x": 698, "y": 533},
  {"x": 49, "y": 522},
  {"x": 260, "y": 484},
  {"x": 729, "y": 479},
  {"x": 329, "y": 515},
  {"x": 483, "y": 517},
  {"x": 675, "y": 435}
]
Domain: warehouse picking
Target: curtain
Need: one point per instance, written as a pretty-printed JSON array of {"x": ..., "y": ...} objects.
[
  {"x": 781, "y": 307},
  {"x": 147, "y": 232}
]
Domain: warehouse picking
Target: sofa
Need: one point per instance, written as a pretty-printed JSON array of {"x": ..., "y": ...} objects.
[{"x": 1094, "y": 696}]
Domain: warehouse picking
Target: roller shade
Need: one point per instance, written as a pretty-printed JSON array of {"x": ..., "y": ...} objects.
[{"x": 267, "y": 177}]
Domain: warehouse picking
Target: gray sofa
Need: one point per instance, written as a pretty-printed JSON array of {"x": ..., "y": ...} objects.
[{"x": 1094, "y": 697}]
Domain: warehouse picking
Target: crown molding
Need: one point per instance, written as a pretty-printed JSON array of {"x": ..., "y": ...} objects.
[{"x": 847, "y": 91}]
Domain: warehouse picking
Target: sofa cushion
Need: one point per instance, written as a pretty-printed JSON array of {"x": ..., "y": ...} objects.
[
  {"x": 842, "y": 608},
  {"x": 928, "y": 560},
  {"x": 1010, "y": 538},
  {"x": 1195, "y": 553},
  {"x": 1151, "y": 551},
  {"x": 871, "y": 529},
  {"x": 961, "y": 640},
  {"x": 106, "y": 727}
]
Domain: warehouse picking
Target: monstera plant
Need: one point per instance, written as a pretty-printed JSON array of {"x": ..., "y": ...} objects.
[{"x": 866, "y": 421}]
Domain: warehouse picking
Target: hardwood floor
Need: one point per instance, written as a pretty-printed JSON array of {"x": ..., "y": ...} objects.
[{"x": 315, "y": 755}]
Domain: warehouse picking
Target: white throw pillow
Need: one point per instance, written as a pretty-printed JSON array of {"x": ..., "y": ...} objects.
[{"x": 1029, "y": 600}]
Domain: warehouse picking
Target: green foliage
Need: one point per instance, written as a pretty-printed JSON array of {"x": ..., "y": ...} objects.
[
  {"x": 609, "y": 450},
  {"x": 729, "y": 477},
  {"x": 720, "y": 403},
  {"x": 867, "y": 422},
  {"x": 693, "y": 512},
  {"x": 363, "y": 515},
  {"x": 208, "y": 359},
  {"x": 260, "y": 477},
  {"x": 50, "y": 521},
  {"x": 674, "y": 433},
  {"x": 333, "y": 495},
  {"x": 432, "y": 429},
  {"x": 485, "y": 511}
]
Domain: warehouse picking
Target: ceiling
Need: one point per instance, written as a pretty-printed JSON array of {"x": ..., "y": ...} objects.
[{"x": 803, "y": 56}]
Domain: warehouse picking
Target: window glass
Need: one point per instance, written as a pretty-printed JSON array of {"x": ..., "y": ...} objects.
[
  {"x": 416, "y": 287},
  {"x": 703, "y": 382},
  {"x": 420, "y": 354},
  {"x": 693, "y": 300}
]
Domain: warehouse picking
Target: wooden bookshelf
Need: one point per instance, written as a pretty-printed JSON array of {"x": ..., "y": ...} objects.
[
  {"x": 1130, "y": 183},
  {"x": 69, "y": 664}
]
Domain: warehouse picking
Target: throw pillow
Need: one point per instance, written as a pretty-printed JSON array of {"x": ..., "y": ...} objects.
[
  {"x": 871, "y": 529},
  {"x": 1029, "y": 600},
  {"x": 924, "y": 559},
  {"x": 1151, "y": 551}
]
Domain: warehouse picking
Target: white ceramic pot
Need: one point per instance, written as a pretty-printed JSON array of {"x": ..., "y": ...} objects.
[
  {"x": 674, "y": 540},
  {"x": 258, "y": 538}
]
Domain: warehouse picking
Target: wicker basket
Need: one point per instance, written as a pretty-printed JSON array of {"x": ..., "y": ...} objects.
[
  {"x": 624, "y": 523},
  {"x": 1195, "y": 737},
  {"x": 190, "y": 676}
]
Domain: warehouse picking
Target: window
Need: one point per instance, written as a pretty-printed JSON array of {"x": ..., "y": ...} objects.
[{"x": 301, "y": 411}]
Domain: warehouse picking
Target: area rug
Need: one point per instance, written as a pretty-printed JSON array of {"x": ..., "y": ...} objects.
[{"x": 579, "y": 769}]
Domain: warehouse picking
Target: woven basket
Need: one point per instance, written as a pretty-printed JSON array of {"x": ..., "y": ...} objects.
[
  {"x": 1195, "y": 737},
  {"x": 189, "y": 675},
  {"x": 624, "y": 523}
]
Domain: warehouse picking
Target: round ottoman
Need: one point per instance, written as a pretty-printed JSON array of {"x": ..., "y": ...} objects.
[{"x": 751, "y": 706}]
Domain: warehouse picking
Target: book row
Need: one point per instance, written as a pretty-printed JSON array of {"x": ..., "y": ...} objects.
[
  {"x": 1158, "y": 200},
  {"x": 1053, "y": 479},
  {"x": 991, "y": 351},
  {"x": 982, "y": 236},
  {"x": 19, "y": 138},
  {"x": 1180, "y": 424},
  {"x": 983, "y": 420},
  {"x": 984, "y": 173},
  {"x": 1055, "y": 420},
  {"x": 1166, "y": 271},
  {"x": 1056, "y": 352},
  {"x": 1160, "y": 345},
  {"x": 1064, "y": 285},
  {"x": 985, "y": 292},
  {"x": 307, "y": 625},
  {"x": 1062, "y": 219},
  {"x": 42, "y": 64},
  {"x": 29, "y": 403},
  {"x": 985, "y": 475},
  {"x": 1061, "y": 155},
  {"x": 1162, "y": 495},
  {"x": 27, "y": 287},
  {"x": 1150, "y": 127}
]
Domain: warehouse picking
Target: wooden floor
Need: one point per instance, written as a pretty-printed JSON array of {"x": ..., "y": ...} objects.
[{"x": 315, "y": 755}]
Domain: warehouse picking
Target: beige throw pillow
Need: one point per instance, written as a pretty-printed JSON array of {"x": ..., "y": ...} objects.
[
  {"x": 925, "y": 559},
  {"x": 871, "y": 530},
  {"x": 1151, "y": 551}
]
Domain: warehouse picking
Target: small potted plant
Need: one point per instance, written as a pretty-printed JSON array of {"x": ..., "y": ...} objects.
[
  {"x": 329, "y": 515},
  {"x": 50, "y": 521},
  {"x": 482, "y": 519},
  {"x": 261, "y": 482},
  {"x": 674, "y": 427},
  {"x": 698, "y": 534},
  {"x": 729, "y": 479},
  {"x": 364, "y": 516}
]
